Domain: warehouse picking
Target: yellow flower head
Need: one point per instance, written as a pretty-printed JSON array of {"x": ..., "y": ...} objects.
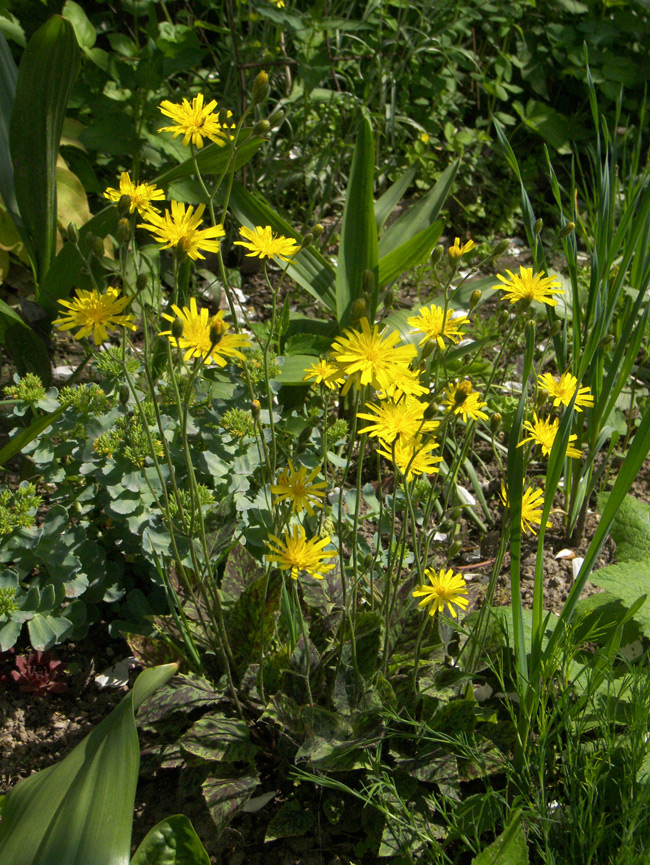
[
  {"x": 424, "y": 137},
  {"x": 298, "y": 488},
  {"x": 446, "y": 589},
  {"x": 463, "y": 400},
  {"x": 280, "y": 4},
  {"x": 527, "y": 287},
  {"x": 457, "y": 251},
  {"x": 298, "y": 554},
  {"x": 324, "y": 373},
  {"x": 262, "y": 243},
  {"x": 94, "y": 313},
  {"x": 436, "y": 324},
  {"x": 370, "y": 356},
  {"x": 180, "y": 228},
  {"x": 196, "y": 121},
  {"x": 412, "y": 456},
  {"x": 543, "y": 432},
  {"x": 532, "y": 504},
  {"x": 562, "y": 390},
  {"x": 405, "y": 382},
  {"x": 199, "y": 332},
  {"x": 141, "y": 194},
  {"x": 392, "y": 419}
]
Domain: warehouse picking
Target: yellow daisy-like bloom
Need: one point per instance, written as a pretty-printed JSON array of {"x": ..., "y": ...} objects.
[
  {"x": 324, "y": 373},
  {"x": 446, "y": 589},
  {"x": 141, "y": 194},
  {"x": 457, "y": 251},
  {"x": 424, "y": 137},
  {"x": 543, "y": 432},
  {"x": 413, "y": 456},
  {"x": 392, "y": 419},
  {"x": 95, "y": 313},
  {"x": 298, "y": 488},
  {"x": 298, "y": 554},
  {"x": 180, "y": 228},
  {"x": 527, "y": 287},
  {"x": 199, "y": 331},
  {"x": 532, "y": 504},
  {"x": 562, "y": 390},
  {"x": 370, "y": 356},
  {"x": 280, "y": 4},
  {"x": 463, "y": 400},
  {"x": 436, "y": 324},
  {"x": 262, "y": 243},
  {"x": 405, "y": 382},
  {"x": 196, "y": 121}
]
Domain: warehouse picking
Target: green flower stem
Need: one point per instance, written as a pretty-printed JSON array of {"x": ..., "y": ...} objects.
[{"x": 418, "y": 647}]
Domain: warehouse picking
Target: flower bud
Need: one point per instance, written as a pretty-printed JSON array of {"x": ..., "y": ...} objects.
[
  {"x": 89, "y": 239},
  {"x": 430, "y": 412},
  {"x": 389, "y": 298},
  {"x": 437, "y": 254},
  {"x": 224, "y": 117},
  {"x": 123, "y": 232},
  {"x": 177, "y": 328},
  {"x": 427, "y": 349},
  {"x": 567, "y": 229},
  {"x": 261, "y": 128},
  {"x": 256, "y": 408},
  {"x": 495, "y": 422},
  {"x": 277, "y": 118},
  {"x": 124, "y": 205},
  {"x": 73, "y": 233},
  {"x": 358, "y": 310},
  {"x": 317, "y": 230},
  {"x": 454, "y": 549},
  {"x": 307, "y": 240},
  {"x": 607, "y": 342},
  {"x": 141, "y": 282},
  {"x": 474, "y": 299},
  {"x": 368, "y": 282},
  {"x": 500, "y": 248},
  {"x": 98, "y": 247},
  {"x": 555, "y": 328},
  {"x": 504, "y": 317},
  {"x": 539, "y": 224},
  {"x": 367, "y": 562},
  {"x": 260, "y": 88},
  {"x": 124, "y": 395}
]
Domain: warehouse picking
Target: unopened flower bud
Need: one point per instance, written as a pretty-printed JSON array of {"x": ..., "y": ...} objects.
[
  {"x": 427, "y": 349},
  {"x": 123, "y": 232},
  {"x": 224, "y": 117},
  {"x": 567, "y": 229},
  {"x": 73, "y": 233},
  {"x": 368, "y": 282},
  {"x": 124, "y": 205},
  {"x": 539, "y": 224},
  {"x": 358, "y": 310},
  {"x": 389, "y": 298},
  {"x": 500, "y": 248},
  {"x": 89, "y": 239},
  {"x": 98, "y": 247},
  {"x": 504, "y": 317},
  {"x": 260, "y": 128},
  {"x": 555, "y": 328},
  {"x": 277, "y": 118},
  {"x": 367, "y": 562},
  {"x": 437, "y": 254},
  {"x": 454, "y": 549},
  {"x": 124, "y": 395},
  {"x": 141, "y": 282},
  {"x": 430, "y": 412},
  {"x": 495, "y": 422},
  {"x": 607, "y": 342},
  {"x": 307, "y": 240},
  {"x": 177, "y": 328},
  {"x": 260, "y": 87},
  {"x": 474, "y": 299},
  {"x": 256, "y": 408},
  {"x": 317, "y": 230}
]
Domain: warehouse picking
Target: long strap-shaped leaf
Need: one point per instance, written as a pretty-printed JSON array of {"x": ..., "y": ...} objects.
[
  {"x": 46, "y": 74},
  {"x": 8, "y": 75},
  {"x": 80, "y": 811}
]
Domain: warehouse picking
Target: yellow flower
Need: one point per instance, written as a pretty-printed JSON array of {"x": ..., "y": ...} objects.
[
  {"x": 297, "y": 553},
  {"x": 181, "y": 229},
  {"x": 532, "y": 504},
  {"x": 436, "y": 324},
  {"x": 527, "y": 287},
  {"x": 324, "y": 373},
  {"x": 370, "y": 356},
  {"x": 463, "y": 400},
  {"x": 196, "y": 121},
  {"x": 298, "y": 488},
  {"x": 94, "y": 313},
  {"x": 280, "y": 4},
  {"x": 424, "y": 137},
  {"x": 457, "y": 251},
  {"x": 562, "y": 390},
  {"x": 392, "y": 419},
  {"x": 262, "y": 243},
  {"x": 404, "y": 382},
  {"x": 199, "y": 332},
  {"x": 141, "y": 194},
  {"x": 413, "y": 457},
  {"x": 446, "y": 589},
  {"x": 543, "y": 432}
]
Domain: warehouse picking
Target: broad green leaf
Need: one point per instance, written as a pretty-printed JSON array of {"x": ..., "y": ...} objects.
[
  {"x": 358, "y": 251},
  {"x": 81, "y": 809},
  {"x": 291, "y": 821},
  {"x": 47, "y": 72},
  {"x": 294, "y": 368},
  {"x": 409, "y": 254},
  {"x": 555, "y": 128},
  {"x": 421, "y": 214},
  {"x": 631, "y": 529},
  {"x": 309, "y": 269},
  {"x": 213, "y": 159},
  {"x": 385, "y": 205},
  {"x": 509, "y": 848},
  {"x": 23, "y": 438},
  {"x": 227, "y": 790},
  {"x": 215, "y": 737},
  {"x": 172, "y": 842},
  {"x": 83, "y": 29},
  {"x": 629, "y": 581}
]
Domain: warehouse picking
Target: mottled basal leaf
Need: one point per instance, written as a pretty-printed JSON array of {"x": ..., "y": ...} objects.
[
  {"x": 215, "y": 737},
  {"x": 226, "y": 791},
  {"x": 510, "y": 847},
  {"x": 172, "y": 842},
  {"x": 181, "y": 694},
  {"x": 286, "y": 713},
  {"x": 324, "y": 595},
  {"x": 291, "y": 821},
  {"x": 431, "y": 765},
  {"x": 631, "y": 528},
  {"x": 149, "y": 651},
  {"x": 240, "y": 572},
  {"x": 252, "y": 618},
  {"x": 367, "y": 635}
]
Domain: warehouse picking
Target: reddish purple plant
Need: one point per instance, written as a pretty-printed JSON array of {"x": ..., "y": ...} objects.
[{"x": 39, "y": 673}]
